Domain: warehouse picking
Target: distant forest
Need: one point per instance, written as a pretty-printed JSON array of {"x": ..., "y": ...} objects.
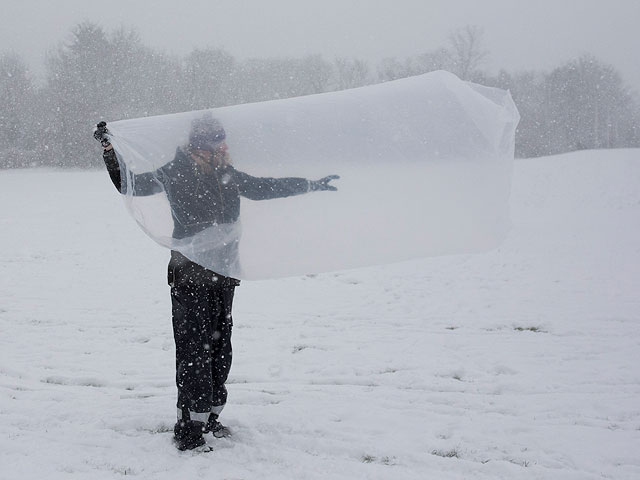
[{"x": 99, "y": 74}]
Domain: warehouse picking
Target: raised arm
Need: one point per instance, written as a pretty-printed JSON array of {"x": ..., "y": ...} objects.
[{"x": 143, "y": 184}]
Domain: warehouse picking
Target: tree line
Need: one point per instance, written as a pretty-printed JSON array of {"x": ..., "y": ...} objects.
[{"x": 582, "y": 104}]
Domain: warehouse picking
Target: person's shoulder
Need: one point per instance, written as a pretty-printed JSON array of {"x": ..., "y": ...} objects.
[
  {"x": 179, "y": 160},
  {"x": 237, "y": 175},
  {"x": 181, "y": 157}
]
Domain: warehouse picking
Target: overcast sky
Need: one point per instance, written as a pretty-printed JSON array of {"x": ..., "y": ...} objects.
[{"x": 519, "y": 34}]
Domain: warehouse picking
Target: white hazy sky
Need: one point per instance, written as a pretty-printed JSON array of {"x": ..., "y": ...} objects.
[{"x": 519, "y": 34}]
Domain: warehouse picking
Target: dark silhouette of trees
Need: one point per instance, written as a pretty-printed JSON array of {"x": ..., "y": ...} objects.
[
  {"x": 18, "y": 113},
  {"x": 350, "y": 73},
  {"x": 582, "y": 104},
  {"x": 590, "y": 106},
  {"x": 99, "y": 75}
]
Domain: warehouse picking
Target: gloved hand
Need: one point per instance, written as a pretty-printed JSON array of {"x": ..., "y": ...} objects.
[
  {"x": 101, "y": 134},
  {"x": 323, "y": 183}
]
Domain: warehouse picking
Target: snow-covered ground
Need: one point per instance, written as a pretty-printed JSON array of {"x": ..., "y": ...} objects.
[{"x": 523, "y": 362}]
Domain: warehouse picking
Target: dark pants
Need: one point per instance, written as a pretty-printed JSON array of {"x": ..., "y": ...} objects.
[{"x": 202, "y": 331}]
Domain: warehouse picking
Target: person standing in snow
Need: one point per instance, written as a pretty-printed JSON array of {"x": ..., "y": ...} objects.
[{"x": 203, "y": 190}]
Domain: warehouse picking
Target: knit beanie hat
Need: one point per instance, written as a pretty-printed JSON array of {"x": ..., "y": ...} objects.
[{"x": 206, "y": 133}]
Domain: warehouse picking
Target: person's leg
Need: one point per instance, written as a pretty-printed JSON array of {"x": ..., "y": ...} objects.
[
  {"x": 221, "y": 354},
  {"x": 193, "y": 327}
]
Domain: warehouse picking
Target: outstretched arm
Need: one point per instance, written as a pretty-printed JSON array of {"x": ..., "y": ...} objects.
[
  {"x": 323, "y": 183},
  {"x": 265, "y": 188}
]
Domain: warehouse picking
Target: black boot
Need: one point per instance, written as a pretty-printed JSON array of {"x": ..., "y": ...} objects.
[
  {"x": 215, "y": 427},
  {"x": 187, "y": 434}
]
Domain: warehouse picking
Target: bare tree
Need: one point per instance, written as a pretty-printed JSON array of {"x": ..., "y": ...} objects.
[
  {"x": 466, "y": 51},
  {"x": 275, "y": 78},
  {"x": 350, "y": 73},
  {"x": 393, "y": 69},
  {"x": 314, "y": 74},
  {"x": 438, "y": 59},
  {"x": 210, "y": 75}
]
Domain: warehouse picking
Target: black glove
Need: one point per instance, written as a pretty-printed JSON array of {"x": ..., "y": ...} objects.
[
  {"x": 323, "y": 183},
  {"x": 101, "y": 134}
]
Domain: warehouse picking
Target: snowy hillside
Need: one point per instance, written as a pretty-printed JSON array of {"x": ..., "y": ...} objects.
[{"x": 519, "y": 363}]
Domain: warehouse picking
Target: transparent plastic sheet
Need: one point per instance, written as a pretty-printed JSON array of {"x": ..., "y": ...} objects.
[{"x": 425, "y": 169}]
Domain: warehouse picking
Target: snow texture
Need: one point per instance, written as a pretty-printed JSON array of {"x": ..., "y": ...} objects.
[
  {"x": 521, "y": 362},
  {"x": 450, "y": 145}
]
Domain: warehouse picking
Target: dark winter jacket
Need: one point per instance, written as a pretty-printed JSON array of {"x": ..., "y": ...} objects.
[{"x": 199, "y": 200}]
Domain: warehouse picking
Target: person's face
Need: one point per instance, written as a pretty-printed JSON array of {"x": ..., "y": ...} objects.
[
  {"x": 219, "y": 155},
  {"x": 207, "y": 158}
]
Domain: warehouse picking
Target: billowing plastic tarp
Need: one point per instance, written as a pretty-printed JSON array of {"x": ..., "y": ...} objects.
[{"x": 424, "y": 163}]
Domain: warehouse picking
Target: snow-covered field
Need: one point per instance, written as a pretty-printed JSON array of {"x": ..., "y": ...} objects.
[{"x": 523, "y": 362}]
